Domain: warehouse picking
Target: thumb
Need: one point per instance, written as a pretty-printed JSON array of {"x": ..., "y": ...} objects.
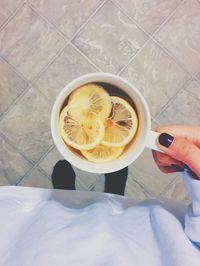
[{"x": 182, "y": 150}]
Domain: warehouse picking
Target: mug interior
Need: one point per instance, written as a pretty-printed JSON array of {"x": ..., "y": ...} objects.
[{"x": 132, "y": 151}]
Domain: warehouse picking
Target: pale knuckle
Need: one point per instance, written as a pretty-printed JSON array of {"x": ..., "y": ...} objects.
[{"x": 183, "y": 148}]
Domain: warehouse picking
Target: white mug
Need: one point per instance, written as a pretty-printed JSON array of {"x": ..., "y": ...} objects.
[{"x": 144, "y": 137}]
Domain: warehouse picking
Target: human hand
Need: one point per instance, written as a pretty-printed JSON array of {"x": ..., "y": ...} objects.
[{"x": 181, "y": 147}]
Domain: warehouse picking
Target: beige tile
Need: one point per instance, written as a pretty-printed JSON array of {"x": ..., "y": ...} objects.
[
  {"x": 35, "y": 178},
  {"x": 11, "y": 86},
  {"x": 149, "y": 14},
  {"x": 198, "y": 76},
  {"x": 146, "y": 173},
  {"x": 110, "y": 38},
  {"x": 67, "y": 66},
  {"x": 47, "y": 164},
  {"x": 7, "y": 8},
  {"x": 185, "y": 109},
  {"x": 177, "y": 191},
  {"x": 89, "y": 181},
  {"x": 29, "y": 43},
  {"x": 194, "y": 88},
  {"x": 134, "y": 190},
  {"x": 4, "y": 181},
  {"x": 181, "y": 35},
  {"x": 156, "y": 75},
  {"x": 97, "y": 184},
  {"x": 67, "y": 15},
  {"x": 27, "y": 125},
  {"x": 12, "y": 165}
]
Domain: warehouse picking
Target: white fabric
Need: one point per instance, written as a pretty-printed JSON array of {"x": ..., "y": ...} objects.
[{"x": 41, "y": 227}]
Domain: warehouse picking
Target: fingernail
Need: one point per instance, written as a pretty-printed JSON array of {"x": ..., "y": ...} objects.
[
  {"x": 177, "y": 168},
  {"x": 165, "y": 139}
]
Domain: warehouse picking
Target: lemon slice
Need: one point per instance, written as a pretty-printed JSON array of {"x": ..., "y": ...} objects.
[
  {"x": 122, "y": 124},
  {"x": 78, "y": 135},
  {"x": 90, "y": 98},
  {"x": 102, "y": 153}
]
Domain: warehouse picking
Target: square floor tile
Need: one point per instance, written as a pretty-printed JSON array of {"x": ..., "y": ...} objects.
[
  {"x": 177, "y": 191},
  {"x": 145, "y": 172},
  {"x": 27, "y": 125},
  {"x": 110, "y": 38},
  {"x": 194, "y": 88},
  {"x": 29, "y": 43},
  {"x": 134, "y": 190},
  {"x": 198, "y": 76},
  {"x": 11, "y": 86},
  {"x": 12, "y": 165},
  {"x": 36, "y": 179},
  {"x": 185, "y": 109},
  {"x": 7, "y": 8},
  {"x": 67, "y": 66},
  {"x": 149, "y": 14},
  {"x": 67, "y": 15},
  {"x": 156, "y": 75},
  {"x": 181, "y": 35}
]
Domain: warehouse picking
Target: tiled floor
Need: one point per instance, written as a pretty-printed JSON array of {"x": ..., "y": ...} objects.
[{"x": 44, "y": 44}]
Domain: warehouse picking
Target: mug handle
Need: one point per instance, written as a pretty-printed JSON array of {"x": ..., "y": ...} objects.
[{"x": 151, "y": 141}]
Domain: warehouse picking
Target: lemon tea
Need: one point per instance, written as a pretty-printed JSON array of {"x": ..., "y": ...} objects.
[{"x": 105, "y": 150}]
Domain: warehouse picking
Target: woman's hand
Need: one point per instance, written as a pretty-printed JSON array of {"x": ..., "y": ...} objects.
[{"x": 181, "y": 145}]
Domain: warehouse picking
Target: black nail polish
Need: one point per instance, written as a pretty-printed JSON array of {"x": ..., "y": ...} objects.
[
  {"x": 165, "y": 140},
  {"x": 177, "y": 168}
]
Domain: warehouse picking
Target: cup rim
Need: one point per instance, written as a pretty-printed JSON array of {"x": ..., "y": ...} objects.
[{"x": 82, "y": 164}]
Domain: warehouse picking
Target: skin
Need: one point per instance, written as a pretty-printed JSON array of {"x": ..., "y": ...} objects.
[{"x": 184, "y": 150}]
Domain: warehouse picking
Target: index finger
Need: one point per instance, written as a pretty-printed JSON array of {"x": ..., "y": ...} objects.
[{"x": 190, "y": 132}]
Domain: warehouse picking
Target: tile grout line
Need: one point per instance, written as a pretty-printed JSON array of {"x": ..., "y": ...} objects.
[
  {"x": 37, "y": 12},
  {"x": 146, "y": 33},
  {"x": 54, "y": 28},
  {"x": 85, "y": 56},
  {"x": 12, "y": 15},
  {"x": 190, "y": 92},
  {"x": 171, "y": 56},
  {"x": 20, "y": 96},
  {"x": 32, "y": 162},
  {"x": 15, "y": 102},
  {"x": 69, "y": 41},
  {"x": 16, "y": 149},
  {"x": 14, "y": 69},
  {"x": 132, "y": 57},
  {"x": 89, "y": 18},
  {"x": 167, "y": 19},
  {"x": 36, "y": 77},
  {"x": 171, "y": 100},
  {"x": 36, "y": 165},
  {"x": 168, "y": 186},
  {"x": 196, "y": 76},
  {"x": 151, "y": 37},
  {"x": 79, "y": 30},
  {"x": 177, "y": 62},
  {"x": 146, "y": 192},
  {"x": 132, "y": 19}
]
